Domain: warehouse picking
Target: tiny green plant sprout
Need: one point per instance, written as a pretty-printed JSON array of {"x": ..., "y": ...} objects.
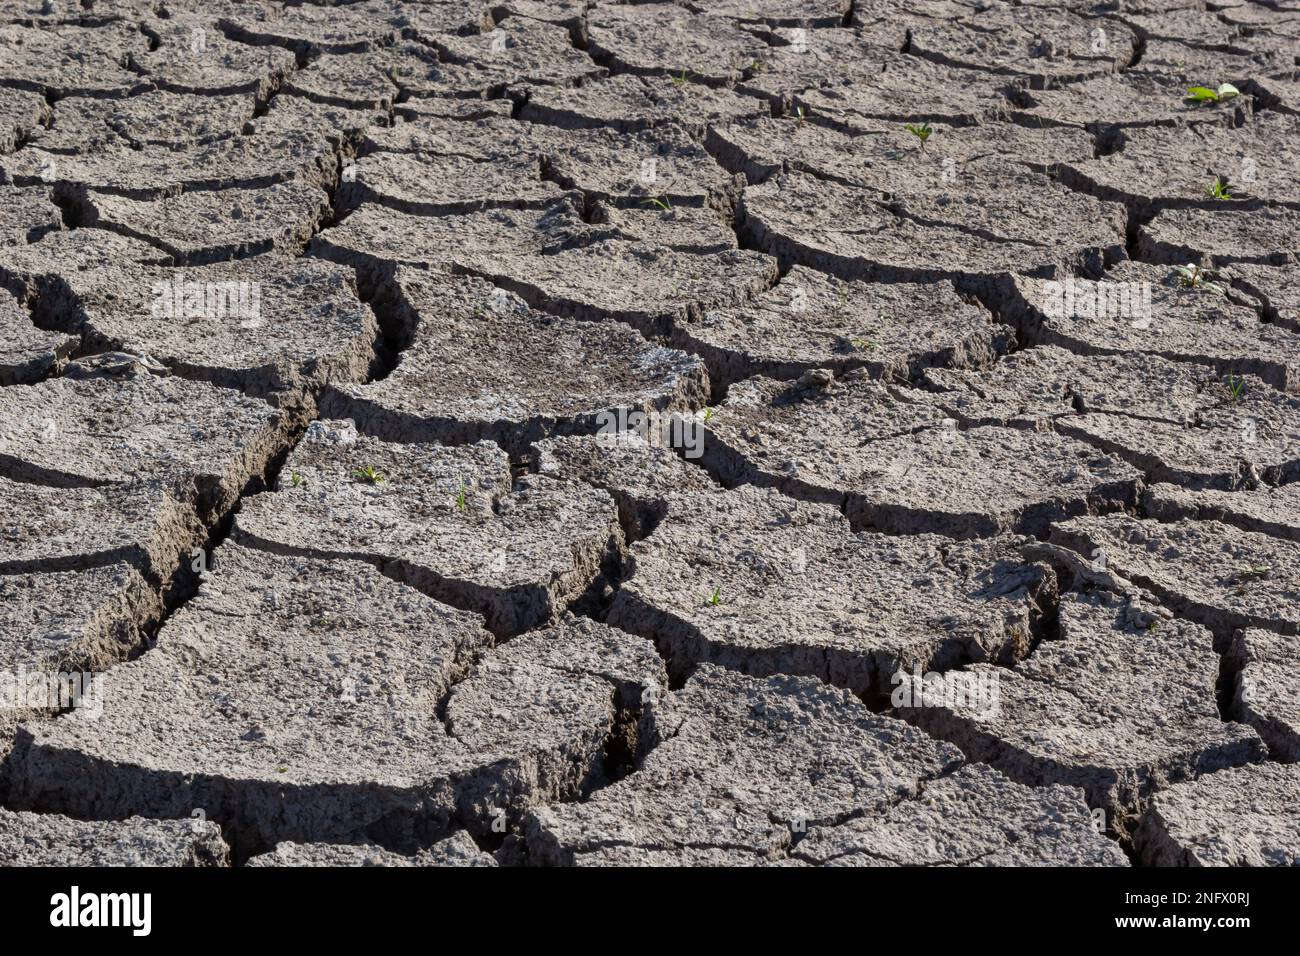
[
  {"x": 1254, "y": 572},
  {"x": 864, "y": 345},
  {"x": 1192, "y": 276},
  {"x": 659, "y": 202},
  {"x": 1236, "y": 387},
  {"x": 296, "y": 479},
  {"x": 708, "y": 415},
  {"x": 680, "y": 79},
  {"x": 800, "y": 115},
  {"x": 1247, "y": 573},
  {"x": 1203, "y": 94},
  {"x": 714, "y": 599},
  {"x": 921, "y": 131},
  {"x": 1219, "y": 189},
  {"x": 370, "y": 475},
  {"x": 460, "y": 497}
]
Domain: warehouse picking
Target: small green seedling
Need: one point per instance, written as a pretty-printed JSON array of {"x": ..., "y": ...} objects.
[
  {"x": 659, "y": 202},
  {"x": 1192, "y": 276},
  {"x": 864, "y": 345},
  {"x": 1203, "y": 94},
  {"x": 708, "y": 415},
  {"x": 460, "y": 497},
  {"x": 714, "y": 599},
  {"x": 1219, "y": 189},
  {"x": 296, "y": 479},
  {"x": 756, "y": 66},
  {"x": 680, "y": 80},
  {"x": 921, "y": 132},
  {"x": 370, "y": 475},
  {"x": 1154, "y": 625},
  {"x": 1236, "y": 387},
  {"x": 325, "y": 619},
  {"x": 800, "y": 115},
  {"x": 1248, "y": 573}
]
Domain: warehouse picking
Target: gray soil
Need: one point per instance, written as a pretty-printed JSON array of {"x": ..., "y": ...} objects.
[{"x": 584, "y": 433}]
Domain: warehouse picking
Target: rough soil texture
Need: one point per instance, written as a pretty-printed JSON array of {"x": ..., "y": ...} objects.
[
  {"x": 1241, "y": 817},
  {"x": 755, "y": 432}
]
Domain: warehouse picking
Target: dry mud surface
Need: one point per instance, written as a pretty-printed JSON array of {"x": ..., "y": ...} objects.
[{"x": 782, "y": 432}]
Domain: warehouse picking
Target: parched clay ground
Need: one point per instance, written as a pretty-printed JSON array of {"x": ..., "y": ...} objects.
[{"x": 722, "y": 432}]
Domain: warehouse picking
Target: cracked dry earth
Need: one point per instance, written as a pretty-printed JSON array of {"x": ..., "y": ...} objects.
[{"x": 318, "y": 546}]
